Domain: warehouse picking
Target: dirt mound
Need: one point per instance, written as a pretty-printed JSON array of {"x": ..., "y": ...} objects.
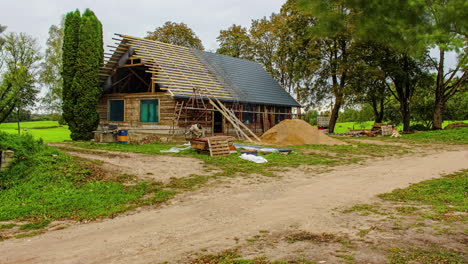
[
  {"x": 297, "y": 132},
  {"x": 455, "y": 125}
]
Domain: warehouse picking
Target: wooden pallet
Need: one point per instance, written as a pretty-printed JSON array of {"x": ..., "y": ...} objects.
[{"x": 218, "y": 147}]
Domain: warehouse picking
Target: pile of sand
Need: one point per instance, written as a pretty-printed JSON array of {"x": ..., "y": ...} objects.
[{"x": 297, "y": 132}]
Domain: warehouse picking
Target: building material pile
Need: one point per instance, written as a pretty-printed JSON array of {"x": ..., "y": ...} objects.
[{"x": 297, "y": 132}]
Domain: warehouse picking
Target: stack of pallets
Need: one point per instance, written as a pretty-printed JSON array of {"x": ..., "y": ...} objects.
[{"x": 218, "y": 147}]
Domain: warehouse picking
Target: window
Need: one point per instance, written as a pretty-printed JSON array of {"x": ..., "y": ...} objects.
[
  {"x": 116, "y": 110},
  {"x": 281, "y": 114},
  {"x": 149, "y": 111},
  {"x": 248, "y": 116}
]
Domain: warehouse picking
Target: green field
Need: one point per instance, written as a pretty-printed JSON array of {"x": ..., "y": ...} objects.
[
  {"x": 49, "y": 131},
  {"x": 343, "y": 127}
]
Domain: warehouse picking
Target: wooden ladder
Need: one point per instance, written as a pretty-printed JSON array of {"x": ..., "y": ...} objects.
[
  {"x": 230, "y": 116},
  {"x": 177, "y": 112}
]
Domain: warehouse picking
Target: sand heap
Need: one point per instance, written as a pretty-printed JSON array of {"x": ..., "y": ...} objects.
[{"x": 297, "y": 132}]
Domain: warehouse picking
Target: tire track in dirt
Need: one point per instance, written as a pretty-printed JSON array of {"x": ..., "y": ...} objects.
[{"x": 212, "y": 218}]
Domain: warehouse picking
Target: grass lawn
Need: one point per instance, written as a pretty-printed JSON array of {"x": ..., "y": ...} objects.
[
  {"x": 445, "y": 195},
  {"x": 343, "y": 127},
  {"x": 44, "y": 184},
  {"x": 452, "y": 136},
  {"x": 230, "y": 165},
  {"x": 49, "y": 131}
]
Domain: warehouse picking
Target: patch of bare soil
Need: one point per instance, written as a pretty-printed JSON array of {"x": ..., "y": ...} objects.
[
  {"x": 378, "y": 142},
  {"x": 365, "y": 238},
  {"x": 217, "y": 218},
  {"x": 146, "y": 167}
]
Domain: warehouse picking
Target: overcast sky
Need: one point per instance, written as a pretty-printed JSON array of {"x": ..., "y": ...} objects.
[{"x": 136, "y": 17}]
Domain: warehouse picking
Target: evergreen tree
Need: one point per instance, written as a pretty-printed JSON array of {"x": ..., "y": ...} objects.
[
  {"x": 85, "y": 86},
  {"x": 69, "y": 57},
  {"x": 82, "y": 57}
]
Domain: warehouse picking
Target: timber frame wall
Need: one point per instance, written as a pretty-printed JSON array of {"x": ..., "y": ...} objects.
[
  {"x": 262, "y": 117},
  {"x": 141, "y": 69}
]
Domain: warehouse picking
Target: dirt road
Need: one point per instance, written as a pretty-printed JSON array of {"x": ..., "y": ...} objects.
[
  {"x": 214, "y": 217},
  {"x": 145, "y": 167}
]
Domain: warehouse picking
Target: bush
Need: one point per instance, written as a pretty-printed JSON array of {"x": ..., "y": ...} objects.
[
  {"x": 44, "y": 183},
  {"x": 419, "y": 127}
]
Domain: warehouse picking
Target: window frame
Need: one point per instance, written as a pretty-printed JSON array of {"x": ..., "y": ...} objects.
[
  {"x": 109, "y": 110},
  {"x": 158, "y": 111}
]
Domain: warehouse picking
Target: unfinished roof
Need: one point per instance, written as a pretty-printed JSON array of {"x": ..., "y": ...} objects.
[{"x": 180, "y": 70}]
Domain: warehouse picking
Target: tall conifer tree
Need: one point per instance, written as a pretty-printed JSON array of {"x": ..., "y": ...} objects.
[
  {"x": 82, "y": 94},
  {"x": 85, "y": 86},
  {"x": 69, "y": 57}
]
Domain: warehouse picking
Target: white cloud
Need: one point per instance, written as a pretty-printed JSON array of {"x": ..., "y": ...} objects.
[{"x": 205, "y": 17}]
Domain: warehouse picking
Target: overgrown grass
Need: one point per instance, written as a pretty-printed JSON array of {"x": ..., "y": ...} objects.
[
  {"x": 446, "y": 195},
  {"x": 452, "y": 136},
  {"x": 229, "y": 165},
  {"x": 233, "y": 257},
  {"x": 232, "y": 164},
  {"x": 48, "y": 131},
  {"x": 423, "y": 256},
  {"x": 44, "y": 184},
  {"x": 359, "y": 149}
]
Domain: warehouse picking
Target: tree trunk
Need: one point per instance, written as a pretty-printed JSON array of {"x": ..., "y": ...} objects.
[
  {"x": 439, "y": 104},
  {"x": 334, "y": 113},
  {"x": 378, "y": 113},
  {"x": 405, "y": 114},
  {"x": 438, "y": 115},
  {"x": 381, "y": 114},
  {"x": 19, "y": 128},
  {"x": 298, "y": 99}
]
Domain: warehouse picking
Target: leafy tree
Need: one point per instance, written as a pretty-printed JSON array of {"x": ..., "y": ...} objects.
[
  {"x": 412, "y": 28},
  {"x": 298, "y": 52},
  {"x": 368, "y": 83},
  {"x": 448, "y": 32},
  {"x": 177, "y": 34},
  {"x": 235, "y": 42},
  {"x": 311, "y": 117},
  {"x": 281, "y": 43},
  {"x": 2, "y": 40},
  {"x": 457, "y": 107},
  {"x": 71, "y": 40},
  {"x": 407, "y": 75},
  {"x": 18, "y": 88},
  {"x": 51, "y": 68},
  {"x": 334, "y": 31}
]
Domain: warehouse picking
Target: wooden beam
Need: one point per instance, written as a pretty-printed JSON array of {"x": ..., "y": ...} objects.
[
  {"x": 138, "y": 76},
  {"x": 131, "y": 65}
]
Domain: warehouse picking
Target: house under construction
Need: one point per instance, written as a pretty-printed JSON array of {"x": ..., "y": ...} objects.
[{"x": 150, "y": 87}]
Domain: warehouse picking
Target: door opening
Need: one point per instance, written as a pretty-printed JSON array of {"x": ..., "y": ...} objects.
[{"x": 217, "y": 122}]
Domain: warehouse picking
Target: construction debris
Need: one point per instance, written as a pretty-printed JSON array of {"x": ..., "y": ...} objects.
[
  {"x": 196, "y": 131},
  {"x": 218, "y": 147},
  {"x": 263, "y": 149},
  {"x": 297, "y": 132},
  {"x": 253, "y": 158},
  {"x": 379, "y": 129},
  {"x": 395, "y": 133},
  {"x": 174, "y": 150}
]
